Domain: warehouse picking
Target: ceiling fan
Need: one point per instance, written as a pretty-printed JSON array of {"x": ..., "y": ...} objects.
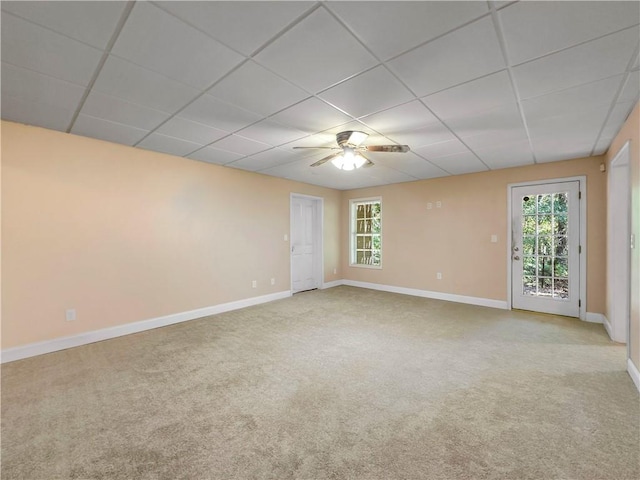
[{"x": 349, "y": 155}]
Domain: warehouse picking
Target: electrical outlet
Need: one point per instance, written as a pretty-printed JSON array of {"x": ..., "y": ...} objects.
[
  {"x": 273, "y": 281},
  {"x": 438, "y": 204},
  {"x": 439, "y": 276},
  {"x": 429, "y": 206},
  {"x": 254, "y": 284},
  {"x": 71, "y": 314}
]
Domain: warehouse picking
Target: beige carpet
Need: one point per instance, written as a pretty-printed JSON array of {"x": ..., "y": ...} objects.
[{"x": 343, "y": 383}]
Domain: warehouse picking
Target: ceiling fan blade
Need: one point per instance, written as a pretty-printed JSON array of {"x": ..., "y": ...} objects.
[
  {"x": 369, "y": 162},
  {"x": 325, "y": 159},
  {"x": 388, "y": 148},
  {"x": 328, "y": 148}
]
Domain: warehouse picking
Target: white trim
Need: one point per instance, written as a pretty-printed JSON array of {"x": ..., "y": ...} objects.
[
  {"x": 335, "y": 283},
  {"x": 633, "y": 373},
  {"x": 582, "y": 182},
  {"x": 595, "y": 318},
  {"x": 607, "y": 326},
  {"x": 62, "y": 343},
  {"x": 449, "y": 297}
]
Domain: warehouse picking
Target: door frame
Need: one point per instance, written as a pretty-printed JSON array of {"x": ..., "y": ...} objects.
[
  {"x": 318, "y": 248},
  {"x": 582, "y": 182},
  {"x": 614, "y": 256}
]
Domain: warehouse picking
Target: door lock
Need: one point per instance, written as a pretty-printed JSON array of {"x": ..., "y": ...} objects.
[
  {"x": 515, "y": 249},
  {"x": 516, "y": 257}
]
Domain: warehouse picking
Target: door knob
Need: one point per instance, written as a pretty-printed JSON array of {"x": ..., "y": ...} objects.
[
  {"x": 515, "y": 249},
  {"x": 516, "y": 257}
]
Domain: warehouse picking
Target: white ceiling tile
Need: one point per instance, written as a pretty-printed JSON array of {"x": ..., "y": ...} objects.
[
  {"x": 578, "y": 127},
  {"x": 244, "y": 26},
  {"x": 312, "y": 115},
  {"x": 240, "y": 145},
  {"x": 88, "y": 126},
  {"x": 408, "y": 163},
  {"x": 36, "y": 113},
  {"x": 636, "y": 62},
  {"x": 138, "y": 85},
  {"x": 497, "y": 137},
  {"x": 166, "y": 144},
  {"x": 460, "y": 163},
  {"x": 602, "y": 146},
  {"x": 499, "y": 121},
  {"x": 89, "y": 22},
  {"x": 30, "y": 46},
  {"x": 465, "y": 54},
  {"x": 297, "y": 54},
  {"x": 216, "y": 113},
  {"x": 404, "y": 117},
  {"x": 367, "y": 93},
  {"x": 616, "y": 119},
  {"x": 631, "y": 88},
  {"x": 533, "y": 29},
  {"x": 215, "y": 155},
  {"x": 433, "y": 133},
  {"x": 585, "y": 63},
  {"x": 118, "y": 110},
  {"x": 390, "y": 28},
  {"x": 557, "y": 148},
  {"x": 271, "y": 132},
  {"x": 160, "y": 42},
  {"x": 184, "y": 129},
  {"x": 479, "y": 95},
  {"x": 34, "y": 87},
  {"x": 441, "y": 149},
  {"x": 574, "y": 99},
  {"x": 264, "y": 160},
  {"x": 254, "y": 88},
  {"x": 506, "y": 155}
]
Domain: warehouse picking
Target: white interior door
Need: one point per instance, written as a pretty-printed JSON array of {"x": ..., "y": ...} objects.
[
  {"x": 545, "y": 256},
  {"x": 304, "y": 244}
]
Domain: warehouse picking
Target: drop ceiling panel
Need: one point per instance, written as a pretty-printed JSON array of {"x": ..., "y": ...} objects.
[
  {"x": 215, "y": 155},
  {"x": 302, "y": 53},
  {"x": 465, "y": 54},
  {"x": 184, "y": 129},
  {"x": 434, "y": 133},
  {"x": 36, "y": 113},
  {"x": 117, "y": 110},
  {"x": 138, "y": 85},
  {"x": 602, "y": 146},
  {"x": 312, "y": 115},
  {"x": 170, "y": 145},
  {"x": 574, "y": 99},
  {"x": 211, "y": 111},
  {"x": 498, "y": 120},
  {"x": 254, "y": 88},
  {"x": 585, "y": 63},
  {"x": 160, "y": 42},
  {"x": 408, "y": 163},
  {"x": 460, "y": 163},
  {"x": 31, "y": 86},
  {"x": 498, "y": 137},
  {"x": 403, "y": 117},
  {"x": 367, "y": 93},
  {"x": 487, "y": 93},
  {"x": 553, "y": 149},
  {"x": 30, "y": 46},
  {"x": 441, "y": 149},
  {"x": 577, "y": 127},
  {"x": 506, "y": 155},
  {"x": 243, "y": 26},
  {"x": 240, "y": 145},
  {"x": 616, "y": 119},
  {"x": 391, "y": 28},
  {"x": 272, "y": 133},
  {"x": 533, "y": 29},
  {"x": 264, "y": 160},
  {"x": 105, "y": 130},
  {"x": 631, "y": 88},
  {"x": 87, "y": 21}
]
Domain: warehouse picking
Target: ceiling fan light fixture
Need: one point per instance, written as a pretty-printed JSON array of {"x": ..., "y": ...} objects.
[{"x": 338, "y": 162}]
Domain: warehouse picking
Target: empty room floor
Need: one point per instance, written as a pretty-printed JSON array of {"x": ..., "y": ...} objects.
[{"x": 343, "y": 383}]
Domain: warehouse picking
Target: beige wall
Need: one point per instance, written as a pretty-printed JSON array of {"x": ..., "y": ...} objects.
[
  {"x": 631, "y": 131},
  {"x": 123, "y": 234},
  {"x": 455, "y": 239}
]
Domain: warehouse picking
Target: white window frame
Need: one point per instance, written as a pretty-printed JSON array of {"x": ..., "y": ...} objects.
[{"x": 352, "y": 231}]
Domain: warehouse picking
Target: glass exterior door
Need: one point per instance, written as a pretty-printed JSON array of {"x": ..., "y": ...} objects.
[{"x": 546, "y": 248}]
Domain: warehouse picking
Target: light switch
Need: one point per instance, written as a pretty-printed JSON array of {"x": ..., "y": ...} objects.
[{"x": 494, "y": 238}]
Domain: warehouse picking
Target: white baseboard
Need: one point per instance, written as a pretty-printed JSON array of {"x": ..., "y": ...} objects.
[
  {"x": 62, "y": 343},
  {"x": 335, "y": 283},
  {"x": 594, "y": 318},
  {"x": 633, "y": 373},
  {"x": 449, "y": 297}
]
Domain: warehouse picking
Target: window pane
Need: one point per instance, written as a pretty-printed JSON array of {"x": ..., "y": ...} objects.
[
  {"x": 544, "y": 246},
  {"x": 529, "y": 225},
  {"x": 544, "y": 203},
  {"x": 360, "y": 211},
  {"x": 529, "y": 285},
  {"x": 544, "y": 266},
  {"x": 529, "y": 205},
  {"x": 560, "y": 202},
  {"x": 529, "y": 245},
  {"x": 560, "y": 224},
  {"x": 529, "y": 266},
  {"x": 560, "y": 267},
  {"x": 544, "y": 224},
  {"x": 359, "y": 242},
  {"x": 560, "y": 246},
  {"x": 561, "y": 288},
  {"x": 545, "y": 287}
]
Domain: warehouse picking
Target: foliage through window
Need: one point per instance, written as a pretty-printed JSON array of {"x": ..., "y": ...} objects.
[{"x": 366, "y": 230}]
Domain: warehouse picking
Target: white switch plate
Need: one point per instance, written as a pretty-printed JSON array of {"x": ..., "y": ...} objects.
[
  {"x": 439, "y": 276},
  {"x": 429, "y": 206},
  {"x": 286, "y": 237},
  {"x": 335, "y": 271},
  {"x": 254, "y": 284},
  {"x": 71, "y": 314},
  {"x": 494, "y": 238},
  {"x": 438, "y": 204},
  {"x": 273, "y": 281}
]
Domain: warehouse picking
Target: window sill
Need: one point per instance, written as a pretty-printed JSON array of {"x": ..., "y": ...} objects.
[{"x": 358, "y": 265}]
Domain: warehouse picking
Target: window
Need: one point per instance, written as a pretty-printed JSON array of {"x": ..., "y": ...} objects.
[{"x": 366, "y": 229}]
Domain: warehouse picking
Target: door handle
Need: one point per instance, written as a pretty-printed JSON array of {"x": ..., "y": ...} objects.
[
  {"x": 515, "y": 249},
  {"x": 516, "y": 257}
]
